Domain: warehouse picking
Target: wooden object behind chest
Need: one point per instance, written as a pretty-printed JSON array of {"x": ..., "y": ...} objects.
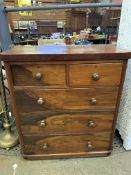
[
  {"x": 65, "y": 98},
  {"x": 75, "y": 20}
]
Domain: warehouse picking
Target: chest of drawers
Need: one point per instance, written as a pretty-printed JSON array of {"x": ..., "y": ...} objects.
[{"x": 65, "y": 98}]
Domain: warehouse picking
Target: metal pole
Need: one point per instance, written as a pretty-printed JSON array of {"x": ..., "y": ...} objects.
[
  {"x": 3, "y": 96},
  {"x": 8, "y": 138},
  {"x": 5, "y": 37},
  {"x": 59, "y": 7}
]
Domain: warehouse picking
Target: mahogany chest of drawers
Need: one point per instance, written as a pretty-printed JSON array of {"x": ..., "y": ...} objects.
[{"x": 65, "y": 98}]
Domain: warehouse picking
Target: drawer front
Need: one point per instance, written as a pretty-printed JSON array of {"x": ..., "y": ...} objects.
[
  {"x": 50, "y": 75},
  {"x": 33, "y": 100},
  {"x": 65, "y": 123},
  {"x": 108, "y": 74},
  {"x": 66, "y": 144}
]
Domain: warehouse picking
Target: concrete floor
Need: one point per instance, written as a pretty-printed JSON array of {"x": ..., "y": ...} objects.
[
  {"x": 118, "y": 163},
  {"x": 115, "y": 164}
]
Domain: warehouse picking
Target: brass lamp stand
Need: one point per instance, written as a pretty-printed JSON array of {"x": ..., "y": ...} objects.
[{"x": 9, "y": 137}]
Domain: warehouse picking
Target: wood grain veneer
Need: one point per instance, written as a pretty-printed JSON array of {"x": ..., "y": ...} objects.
[
  {"x": 65, "y": 53},
  {"x": 64, "y": 99},
  {"x": 66, "y": 143},
  {"x": 51, "y": 75},
  {"x": 109, "y": 74},
  {"x": 52, "y": 123}
]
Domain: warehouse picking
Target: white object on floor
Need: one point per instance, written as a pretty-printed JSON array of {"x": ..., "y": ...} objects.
[
  {"x": 124, "y": 42},
  {"x": 14, "y": 168}
]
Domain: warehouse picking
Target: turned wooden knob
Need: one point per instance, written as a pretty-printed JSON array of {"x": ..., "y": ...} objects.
[
  {"x": 91, "y": 124},
  {"x": 45, "y": 146},
  {"x": 93, "y": 101},
  {"x": 40, "y": 101},
  {"x": 38, "y": 76},
  {"x": 43, "y": 123},
  {"x": 95, "y": 76},
  {"x": 89, "y": 145}
]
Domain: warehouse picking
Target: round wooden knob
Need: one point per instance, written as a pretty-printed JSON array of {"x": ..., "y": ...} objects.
[
  {"x": 95, "y": 76},
  {"x": 43, "y": 123},
  {"x": 45, "y": 146},
  {"x": 38, "y": 76},
  {"x": 93, "y": 101},
  {"x": 89, "y": 145},
  {"x": 40, "y": 101},
  {"x": 91, "y": 124}
]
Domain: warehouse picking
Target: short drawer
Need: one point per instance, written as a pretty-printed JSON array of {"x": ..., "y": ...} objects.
[
  {"x": 32, "y": 100},
  {"x": 46, "y": 75},
  {"x": 66, "y": 144},
  {"x": 65, "y": 123},
  {"x": 102, "y": 74}
]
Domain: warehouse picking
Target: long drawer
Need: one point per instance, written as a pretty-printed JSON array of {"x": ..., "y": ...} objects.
[
  {"x": 32, "y": 100},
  {"x": 38, "y": 145},
  {"x": 102, "y": 74},
  {"x": 65, "y": 123},
  {"x": 46, "y": 75}
]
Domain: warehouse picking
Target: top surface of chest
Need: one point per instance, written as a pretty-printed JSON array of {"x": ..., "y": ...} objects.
[{"x": 64, "y": 53}]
